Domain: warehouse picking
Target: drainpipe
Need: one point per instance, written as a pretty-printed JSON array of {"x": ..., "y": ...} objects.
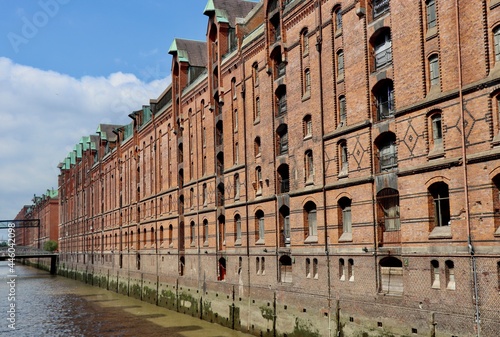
[
  {"x": 475, "y": 299},
  {"x": 319, "y": 41},
  {"x": 243, "y": 96}
]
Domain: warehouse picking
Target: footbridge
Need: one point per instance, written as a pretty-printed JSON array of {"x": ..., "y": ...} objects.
[{"x": 24, "y": 252}]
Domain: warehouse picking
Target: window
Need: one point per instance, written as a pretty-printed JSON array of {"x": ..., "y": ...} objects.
[
  {"x": 255, "y": 74},
  {"x": 435, "y": 282},
  {"x": 170, "y": 235},
  {"x": 236, "y": 186},
  {"x": 308, "y": 164},
  {"x": 342, "y": 111},
  {"x": 235, "y": 120},
  {"x": 315, "y": 268},
  {"x": 342, "y": 270},
  {"x": 382, "y": 51},
  {"x": 204, "y": 194},
  {"x": 496, "y": 41},
  {"x": 380, "y": 7},
  {"x": 307, "y": 81},
  {"x": 257, "y": 146},
  {"x": 340, "y": 64},
  {"x": 283, "y": 179},
  {"x": 337, "y": 14},
  {"x": 307, "y": 126},
  {"x": 285, "y": 263},
  {"x": 263, "y": 265},
  {"x": 305, "y": 42},
  {"x": 259, "y": 224},
  {"x": 258, "y": 181},
  {"x": 236, "y": 153},
  {"x": 496, "y": 204},
  {"x": 308, "y": 268},
  {"x": 437, "y": 132},
  {"x": 434, "y": 70},
  {"x": 388, "y": 202},
  {"x": 350, "y": 270},
  {"x": 344, "y": 163},
  {"x": 384, "y": 100},
  {"x": 282, "y": 139},
  {"x": 192, "y": 233},
  {"x": 257, "y": 109},
  {"x": 233, "y": 87},
  {"x": 237, "y": 229},
  {"x": 257, "y": 265},
  {"x": 310, "y": 222},
  {"x": 205, "y": 231},
  {"x": 441, "y": 204},
  {"x": 281, "y": 107},
  {"x": 391, "y": 276},
  {"x": 450, "y": 275},
  {"x": 430, "y": 6},
  {"x": 387, "y": 155},
  {"x": 161, "y": 235},
  {"x": 345, "y": 220}
]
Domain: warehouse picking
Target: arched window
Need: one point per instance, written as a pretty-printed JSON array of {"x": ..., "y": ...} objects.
[
  {"x": 496, "y": 43},
  {"x": 308, "y": 267},
  {"x": 192, "y": 233},
  {"x": 307, "y": 126},
  {"x": 450, "y": 275},
  {"x": 388, "y": 202},
  {"x": 440, "y": 212},
  {"x": 435, "y": 279},
  {"x": 391, "y": 276},
  {"x": 337, "y": 14},
  {"x": 434, "y": 70},
  {"x": 436, "y": 142},
  {"x": 309, "y": 166},
  {"x": 283, "y": 179},
  {"x": 161, "y": 235},
  {"x": 170, "y": 235},
  {"x": 343, "y": 159},
  {"x": 282, "y": 139},
  {"x": 304, "y": 40},
  {"x": 257, "y": 109},
  {"x": 345, "y": 219},
  {"x": 307, "y": 82},
  {"x": 383, "y": 94},
  {"x": 382, "y": 48},
  {"x": 310, "y": 222},
  {"x": 350, "y": 270},
  {"x": 342, "y": 270},
  {"x": 387, "y": 154},
  {"x": 259, "y": 227},
  {"x": 237, "y": 229},
  {"x": 236, "y": 186},
  {"x": 342, "y": 117},
  {"x": 256, "y": 146},
  {"x": 340, "y": 64},
  {"x": 285, "y": 263},
  {"x": 255, "y": 74},
  {"x": 430, "y": 9},
  {"x": 205, "y": 232},
  {"x": 281, "y": 106}
]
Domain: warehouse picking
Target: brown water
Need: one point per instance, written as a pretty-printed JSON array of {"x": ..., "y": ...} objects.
[{"x": 54, "y": 306}]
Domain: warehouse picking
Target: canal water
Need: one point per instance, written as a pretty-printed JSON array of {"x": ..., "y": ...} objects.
[{"x": 55, "y": 306}]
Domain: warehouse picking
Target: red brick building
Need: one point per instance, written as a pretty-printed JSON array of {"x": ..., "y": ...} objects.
[
  {"x": 45, "y": 208},
  {"x": 315, "y": 167}
]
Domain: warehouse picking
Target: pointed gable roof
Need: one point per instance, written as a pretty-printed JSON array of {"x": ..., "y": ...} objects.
[
  {"x": 190, "y": 51},
  {"x": 229, "y": 10}
]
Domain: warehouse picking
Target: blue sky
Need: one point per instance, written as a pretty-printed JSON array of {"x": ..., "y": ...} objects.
[{"x": 68, "y": 65}]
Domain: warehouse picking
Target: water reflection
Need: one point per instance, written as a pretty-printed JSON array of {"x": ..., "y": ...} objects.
[{"x": 55, "y": 306}]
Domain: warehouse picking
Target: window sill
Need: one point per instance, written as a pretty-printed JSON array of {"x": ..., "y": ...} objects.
[
  {"x": 260, "y": 242},
  {"x": 306, "y": 96},
  {"x": 311, "y": 239},
  {"x": 339, "y": 32},
  {"x": 343, "y": 174},
  {"x": 436, "y": 153},
  {"x": 257, "y": 121},
  {"x": 346, "y": 237},
  {"x": 205, "y": 244},
  {"x": 237, "y": 242},
  {"x": 443, "y": 232},
  {"x": 431, "y": 33},
  {"x": 340, "y": 78},
  {"x": 497, "y": 232},
  {"x": 307, "y": 137},
  {"x": 494, "y": 4}
]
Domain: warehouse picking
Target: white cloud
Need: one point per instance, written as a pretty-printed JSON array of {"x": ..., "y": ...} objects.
[{"x": 43, "y": 114}]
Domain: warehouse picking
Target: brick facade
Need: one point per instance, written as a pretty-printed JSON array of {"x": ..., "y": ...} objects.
[{"x": 321, "y": 166}]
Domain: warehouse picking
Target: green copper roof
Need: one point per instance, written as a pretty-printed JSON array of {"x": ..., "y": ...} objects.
[
  {"x": 78, "y": 150},
  {"x": 210, "y": 7},
  {"x": 182, "y": 55}
]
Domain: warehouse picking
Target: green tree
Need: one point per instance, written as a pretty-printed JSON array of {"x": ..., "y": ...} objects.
[{"x": 50, "y": 245}]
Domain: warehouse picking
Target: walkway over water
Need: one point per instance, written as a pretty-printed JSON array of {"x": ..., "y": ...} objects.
[{"x": 24, "y": 252}]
